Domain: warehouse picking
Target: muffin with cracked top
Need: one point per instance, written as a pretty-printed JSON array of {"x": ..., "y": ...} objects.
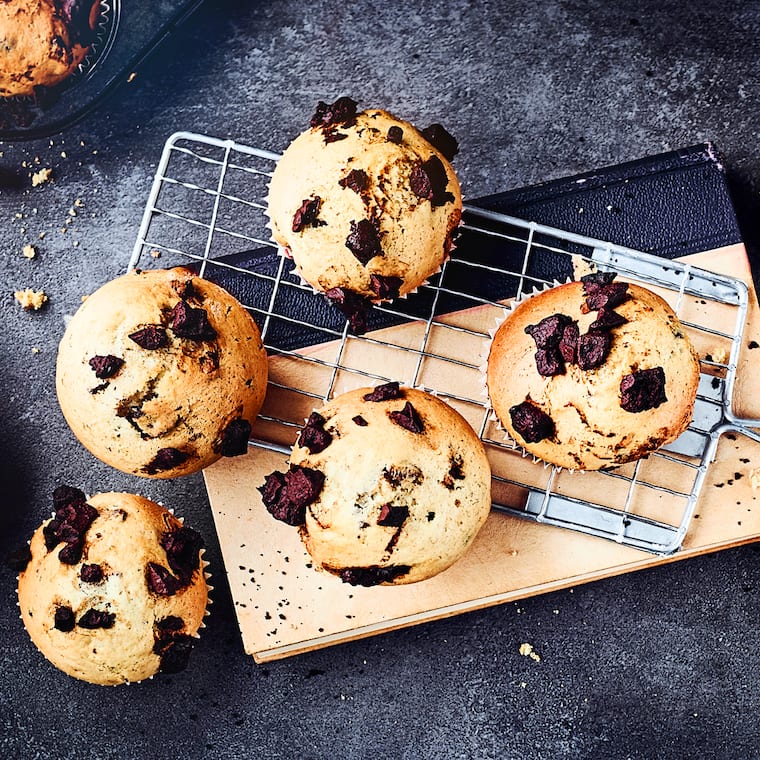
[
  {"x": 366, "y": 204},
  {"x": 112, "y": 588},
  {"x": 387, "y": 486},
  {"x": 160, "y": 373}
]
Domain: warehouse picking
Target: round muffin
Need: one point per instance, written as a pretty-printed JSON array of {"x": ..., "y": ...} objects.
[
  {"x": 387, "y": 485},
  {"x": 43, "y": 42},
  {"x": 591, "y": 374},
  {"x": 114, "y": 588},
  {"x": 365, "y": 203},
  {"x": 160, "y": 373}
]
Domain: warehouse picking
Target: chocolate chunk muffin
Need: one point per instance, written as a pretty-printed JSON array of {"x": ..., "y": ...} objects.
[
  {"x": 114, "y": 588},
  {"x": 387, "y": 486},
  {"x": 160, "y": 373},
  {"x": 366, "y": 204},
  {"x": 591, "y": 374},
  {"x": 42, "y": 42}
]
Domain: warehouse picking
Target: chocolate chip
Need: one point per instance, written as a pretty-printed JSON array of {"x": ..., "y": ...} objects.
[
  {"x": 64, "y": 496},
  {"x": 549, "y": 362},
  {"x": 191, "y": 323},
  {"x": 64, "y": 619},
  {"x": 96, "y": 619},
  {"x": 364, "y": 241},
  {"x": 392, "y": 516},
  {"x": 456, "y": 467},
  {"x": 72, "y": 552},
  {"x": 643, "y": 390},
  {"x": 183, "y": 546},
  {"x": 596, "y": 280},
  {"x": 356, "y": 180},
  {"x": 385, "y": 392},
  {"x": 175, "y": 654},
  {"x": 607, "y": 319},
  {"x": 531, "y": 422},
  {"x": 568, "y": 344},
  {"x": 359, "y": 420},
  {"x": 165, "y": 459},
  {"x": 549, "y": 331},
  {"x": 593, "y": 349},
  {"x": 91, "y": 573},
  {"x": 73, "y": 516},
  {"x": 235, "y": 438},
  {"x": 106, "y": 366},
  {"x": 313, "y": 435},
  {"x": 373, "y": 575},
  {"x": 353, "y": 306},
  {"x": 170, "y": 623},
  {"x": 428, "y": 180},
  {"x": 160, "y": 580},
  {"x": 150, "y": 338},
  {"x": 441, "y": 139},
  {"x": 185, "y": 289},
  {"x": 386, "y": 287},
  {"x": 408, "y": 418},
  {"x": 342, "y": 111},
  {"x": 18, "y": 559},
  {"x": 609, "y": 296},
  {"x": 308, "y": 214},
  {"x": 395, "y": 134},
  {"x": 286, "y": 495}
]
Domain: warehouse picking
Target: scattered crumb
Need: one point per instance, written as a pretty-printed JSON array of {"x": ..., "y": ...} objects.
[
  {"x": 63, "y": 154},
  {"x": 523, "y": 684},
  {"x": 526, "y": 650},
  {"x": 78, "y": 203},
  {"x": 31, "y": 300},
  {"x": 754, "y": 478},
  {"x": 35, "y": 350},
  {"x": 131, "y": 77},
  {"x": 42, "y": 235},
  {"x": 29, "y": 251},
  {"x": 84, "y": 298},
  {"x": 719, "y": 356},
  {"x": 155, "y": 254},
  {"x": 43, "y": 175}
]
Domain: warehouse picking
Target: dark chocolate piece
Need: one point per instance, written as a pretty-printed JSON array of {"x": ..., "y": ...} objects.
[
  {"x": 18, "y": 559},
  {"x": 286, "y": 495},
  {"x": 395, "y": 134},
  {"x": 235, "y": 438},
  {"x": 342, "y": 111},
  {"x": 106, "y": 366},
  {"x": 593, "y": 349},
  {"x": 385, "y": 392},
  {"x": 91, "y": 573},
  {"x": 160, "y": 580},
  {"x": 607, "y": 296},
  {"x": 607, "y": 319},
  {"x": 568, "y": 344},
  {"x": 64, "y": 619},
  {"x": 174, "y": 653},
  {"x": 73, "y": 516},
  {"x": 308, "y": 214},
  {"x": 531, "y": 422},
  {"x": 387, "y": 287},
  {"x": 549, "y": 331},
  {"x": 353, "y": 306},
  {"x": 96, "y": 619},
  {"x": 456, "y": 467},
  {"x": 441, "y": 139},
  {"x": 429, "y": 179},
  {"x": 313, "y": 435},
  {"x": 643, "y": 390},
  {"x": 165, "y": 459},
  {"x": 364, "y": 241},
  {"x": 183, "y": 547},
  {"x": 170, "y": 623},
  {"x": 356, "y": 180},
  {"x": 64, "y": 496},
  {"x": 392, "y": 516},
  {"x": 150, "y": 337},
  {"x": 596, "y": 280},
  {"x": 191, "y": 323},
  {"x": 373, "y": 575},
  {"x": 549, "y": 362},
  {"x": 408, "y": 418},
  {"x": 359, "y": 420}
]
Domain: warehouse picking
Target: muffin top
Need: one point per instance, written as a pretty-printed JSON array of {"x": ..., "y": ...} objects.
[
  {"x": 365, "y": 203},
  {"x": 160, "y": 373},
  {"x": 592, "y": 374},
  {"x": 387, "y": 485},
  {"x": 114, "y": 588}
]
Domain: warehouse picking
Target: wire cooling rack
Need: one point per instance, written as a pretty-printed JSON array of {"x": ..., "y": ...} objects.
[{"x": 207, "y": 210}]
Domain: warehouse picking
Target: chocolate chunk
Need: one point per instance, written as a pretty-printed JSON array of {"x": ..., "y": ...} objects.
[
  {"x": 364, "y": 241},
  {"x": 387, "y": 287},
  {"x": 96, "y": 619},
  {"x": 385, "y": 392},
  {"x": 608, "y": 296},
  {"x": 392, "y": 516},
  {"x": 332, "y": 135},
  {"x": 183, "y": 547},
  {"x": 170, "y": 623},
  {"x": 607, "y": 319},
  {"x": 643, "y": 390},
  {"x": 359, "y": 420},
  {"x": 151, "y": 337},
  {"x": 428, "y": 180},
  {"x": 186, "y": 290},
  {"x": 408, "y": 418},
  {"x": 160, "y": 580},
  {"x": 64, "y": 619},
  {"x": 568, "y": 344},
  {"x": 549, "y": 331},
  {"x": 356, "y": 180},
  {"x": 342, "y": 111},
  {"x": 308, "y": 214},
  {"x": 235, "y": 438},
  {"x": 64, "y": 496},
  {"x": 18, "y": 559},
  {"x": 188, "y": 322},
  {"x": 373, "y": 575},
  {"x": 165, "y": 459},
  {"x": 549, "y": 362},
  {"x": 353, "y": 306},
  {"x": 73, "y": 516},
  {"x": 596, "y": 280},
  {"x": 531, "y": 422},
  {"x": 175, "y": 653},
  {"x": 106, "y": 366},
  {"x": 72, "y": 552},
  {"x": 286, "y": 495},
  {"x": 456, "y": 467},
  {"x": 313, "y": 435},
  {"x": 441, "y": 139},
  {"x": 593, "y": 349},
  {"x": 395, "y": 134},
  {"x": 91, "y": 573}
]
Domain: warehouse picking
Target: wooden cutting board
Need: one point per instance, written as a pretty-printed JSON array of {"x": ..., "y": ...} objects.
[{"x": 284, "y": 606}]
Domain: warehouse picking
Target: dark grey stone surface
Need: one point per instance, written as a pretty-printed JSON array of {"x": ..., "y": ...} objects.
[{"x": 652, "y": 665}]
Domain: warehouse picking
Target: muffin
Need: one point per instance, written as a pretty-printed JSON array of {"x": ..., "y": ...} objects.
[
  {"x": 160, "y": 373},
  {"x": 591, "y": 374},
  {"x": 366, "y": 204},
  {"x": 387, "y": 486},
  {"x": 43, "y": 42},
  {"x": 114, "y": 588}
]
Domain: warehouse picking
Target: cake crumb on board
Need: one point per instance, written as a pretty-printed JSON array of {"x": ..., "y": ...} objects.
[
  {"x": 31, "y": 300},
  {"x": 526, "y": 650},
  {"x": 42, "y": 176}
]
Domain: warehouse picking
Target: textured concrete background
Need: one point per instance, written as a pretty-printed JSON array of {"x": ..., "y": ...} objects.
[{"x": 656, "y": 664}]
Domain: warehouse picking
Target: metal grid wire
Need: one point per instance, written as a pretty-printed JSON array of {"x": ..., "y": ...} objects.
[{"x": 207, "y": 210}]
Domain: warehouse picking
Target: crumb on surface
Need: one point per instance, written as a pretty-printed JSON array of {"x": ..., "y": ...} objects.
[
  {"x": 29, "y": 251},
  {"x": 155, "y": 254},
  {"x": 719, "y": 356},
  {"x": 42, "y": 176},
  {"x": 754, "y": 478},
  {"x": 31, "y": 300},
  {"x": 526, "y": 650}
]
